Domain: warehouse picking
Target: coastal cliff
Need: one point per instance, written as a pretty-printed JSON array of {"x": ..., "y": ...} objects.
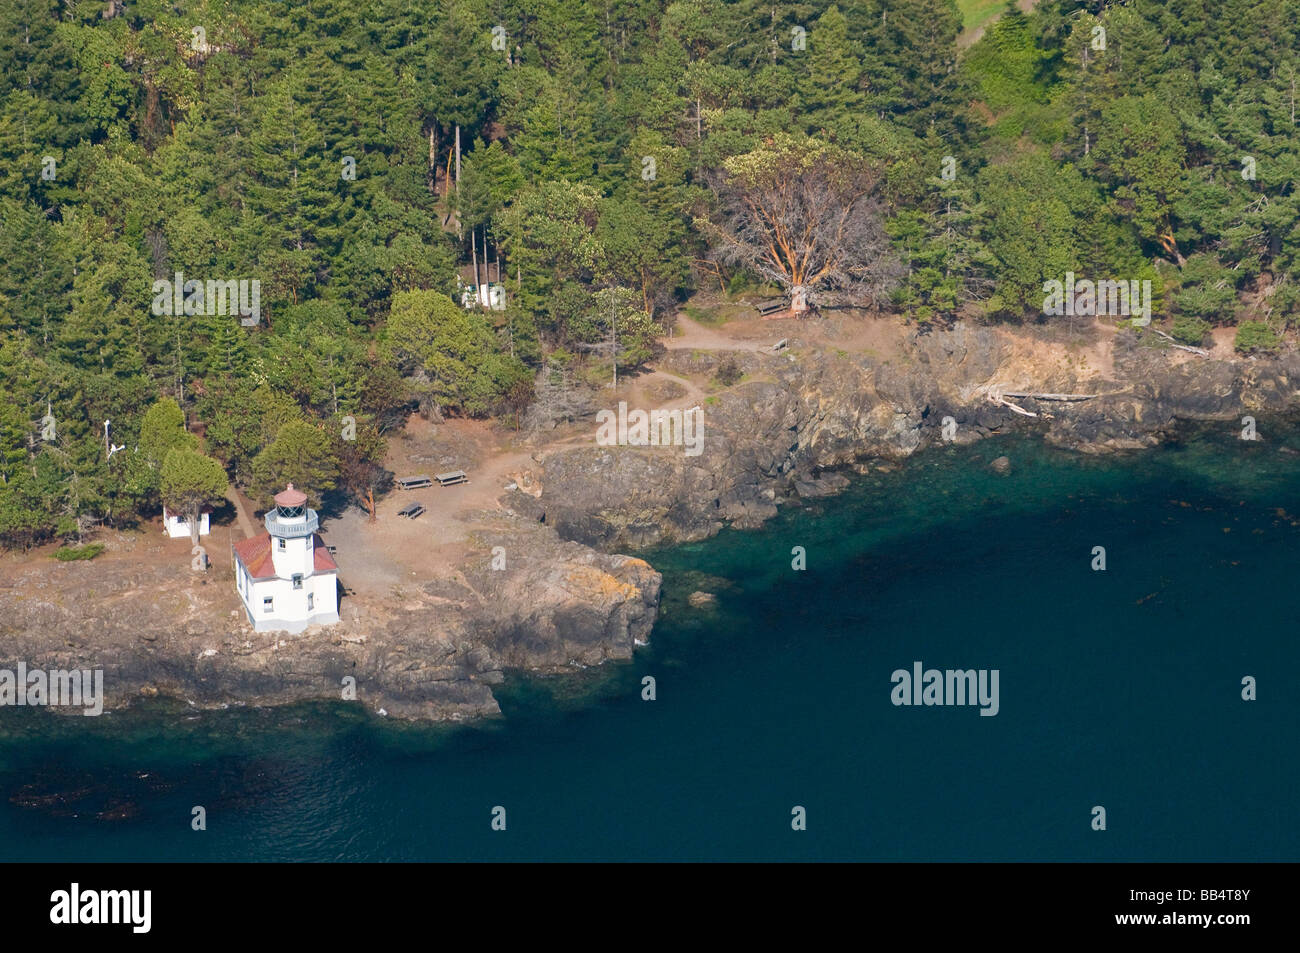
[{"x": 807, "y": 410}]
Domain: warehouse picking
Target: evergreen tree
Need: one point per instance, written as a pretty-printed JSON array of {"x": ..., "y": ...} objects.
[
  {"x": 300, "y": 454},
  {"x": 191, "y": 481}
]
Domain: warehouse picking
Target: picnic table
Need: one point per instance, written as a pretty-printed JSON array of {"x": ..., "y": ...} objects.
[
  {"x": 452, "y": 478},
  {"x": 413, "y": 482},
  {"x": 412, "y": 510},
  {"x": 770, "y": 306}
]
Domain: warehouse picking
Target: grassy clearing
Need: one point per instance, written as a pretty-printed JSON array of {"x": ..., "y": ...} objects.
[
  {"x": 978, "y": 13},
  {"x": 705, "y": 316}
]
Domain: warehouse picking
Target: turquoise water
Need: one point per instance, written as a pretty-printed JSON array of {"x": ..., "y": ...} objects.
[{"x": 1119, "y": 688}]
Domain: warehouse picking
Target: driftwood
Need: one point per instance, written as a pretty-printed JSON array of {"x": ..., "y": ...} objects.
[
  {"x": 1053, "y": 396},
  {"x": 1182, "y": 347},
  {"x": 1016, "y": 407}
]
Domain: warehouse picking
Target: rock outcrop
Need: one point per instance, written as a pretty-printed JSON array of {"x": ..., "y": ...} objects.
[
  {"x": 433, "y": 651},
  {"x": 806, "y": 410}
]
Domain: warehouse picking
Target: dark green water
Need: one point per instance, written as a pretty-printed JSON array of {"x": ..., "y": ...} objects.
[{"x": 1119, "y": 688}]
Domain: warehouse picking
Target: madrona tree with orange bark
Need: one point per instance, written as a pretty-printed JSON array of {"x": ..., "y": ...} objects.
[{"x": 806, "y": 215}]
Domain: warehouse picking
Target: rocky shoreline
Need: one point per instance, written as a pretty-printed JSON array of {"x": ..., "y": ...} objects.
[
  {"x": 435, "y": 648},
  {"x": 432, "y": 650},
  {"x": 805, "y": 413}
]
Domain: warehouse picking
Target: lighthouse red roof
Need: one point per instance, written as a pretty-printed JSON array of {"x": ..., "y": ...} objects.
[
  {"x": 255, "y": 556},
  {"x": 322, "y": 561},
  {"x": 290, "y": 497}
]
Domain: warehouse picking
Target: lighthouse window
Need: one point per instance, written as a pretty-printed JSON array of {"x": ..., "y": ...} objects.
[
  {"x": 266, "y": 603},
  {"x": 281, "y": 542},
  {"x": 297, "y": 580},
  {"x": 311, "y": 600}
]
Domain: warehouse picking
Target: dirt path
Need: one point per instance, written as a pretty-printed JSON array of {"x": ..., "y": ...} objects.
[
  {"x": 693, "y": 335},
  {"x": 694, "y": 393},
  {"x": 851, "y": 331},
  {"x": 245, "y": 524}
]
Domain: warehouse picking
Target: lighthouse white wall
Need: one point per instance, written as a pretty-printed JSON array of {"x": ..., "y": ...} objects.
[
  {"x": 290, "y": 611},
  {"x": 295, "y": 557}
]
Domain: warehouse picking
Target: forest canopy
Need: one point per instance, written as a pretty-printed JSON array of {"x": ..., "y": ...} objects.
[{"x": 369, "y": 163}]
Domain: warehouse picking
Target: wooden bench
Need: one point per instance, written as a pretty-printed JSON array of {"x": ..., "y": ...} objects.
[
  {"x": 452, "y": 478},
  {"x": 771, "y": 306},
  {"x": 413, "y": 510},
  {"x": 413, "y": 482}
]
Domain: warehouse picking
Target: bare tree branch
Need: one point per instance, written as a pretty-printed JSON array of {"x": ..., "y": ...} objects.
[{"x": 805, "y": 215}]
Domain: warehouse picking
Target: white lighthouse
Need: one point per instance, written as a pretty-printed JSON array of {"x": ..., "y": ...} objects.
[{"x": 286, "y": 577}]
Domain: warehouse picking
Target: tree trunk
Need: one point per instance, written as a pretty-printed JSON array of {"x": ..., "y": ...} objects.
[
  {"x": 1169, "y": 244},
  {"x": 473, "y": 245},
  {"x": 613, "y": 333},
  {"x": 799, "y": 299},
  {"x": 433, "y": 157}
]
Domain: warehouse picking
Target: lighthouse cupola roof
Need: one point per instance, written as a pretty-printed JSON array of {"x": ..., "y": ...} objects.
[{"x": 289, "y": 498}]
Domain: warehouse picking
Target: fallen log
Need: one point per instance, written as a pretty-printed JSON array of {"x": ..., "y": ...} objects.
[
  {"x": 1053, "y": 396},
  {"x": 1182, "y": 347},
  {"x": 1016, "y": 407}
]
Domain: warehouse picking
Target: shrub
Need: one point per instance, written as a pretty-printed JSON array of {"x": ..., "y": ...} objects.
[
  {"x": 739, "y": 284},
  {"x": 66, "y": 554},
  {"x": 728, "y": 372},
  {"x": 1191, "y": 330},
  {"x": 1286, "y": 301},
  {"x": 1208, "y": 289},
  {"x": 1255, "y": 336}
]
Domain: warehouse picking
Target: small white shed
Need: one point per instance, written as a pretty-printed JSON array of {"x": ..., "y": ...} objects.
[{"x": 177, "y": 526}]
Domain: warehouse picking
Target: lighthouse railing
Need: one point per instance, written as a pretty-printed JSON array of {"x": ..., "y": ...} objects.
[{"x": 292, "y": 528}]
